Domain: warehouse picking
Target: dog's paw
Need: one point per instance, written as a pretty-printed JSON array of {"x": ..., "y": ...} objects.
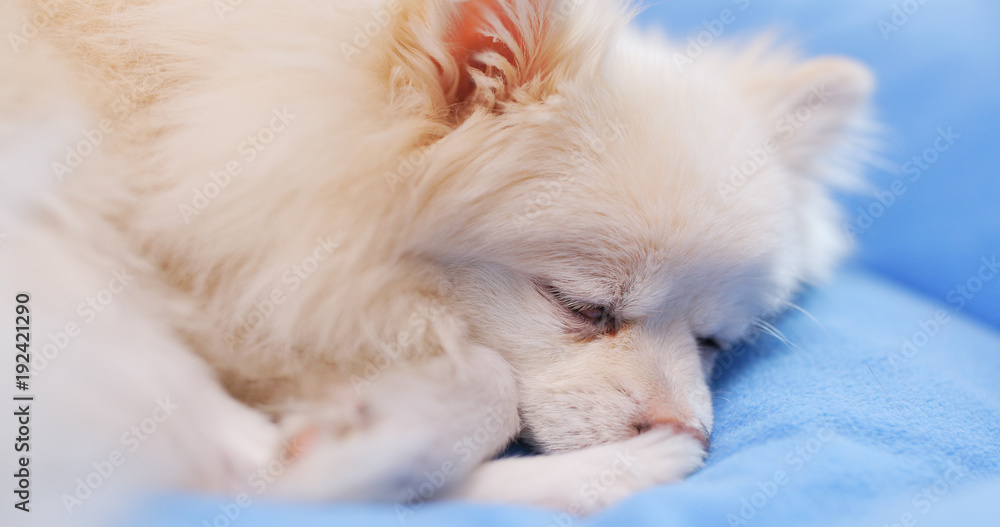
[
  {"x": 308, "y": 432},
  {"x": 338, "y": 414},
  {"x": 584, "y": 481},
  {"x": 655, "y": 457}
]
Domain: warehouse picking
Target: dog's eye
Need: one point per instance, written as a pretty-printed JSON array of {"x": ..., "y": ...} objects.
[
  {"x": 598, "y": 319},
  {"x": 708, "y": 343},
  {"x": 593, "y": 313}
]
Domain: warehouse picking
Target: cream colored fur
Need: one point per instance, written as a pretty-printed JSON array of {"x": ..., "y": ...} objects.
[{"x": 390, "y": 279}]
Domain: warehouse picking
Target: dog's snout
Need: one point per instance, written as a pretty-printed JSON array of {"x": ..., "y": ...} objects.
[{"x": 700, "y": 433}]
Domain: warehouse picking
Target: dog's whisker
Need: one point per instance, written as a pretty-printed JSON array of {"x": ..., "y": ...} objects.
[
  {"x": 800, "y": 309},
  {"x": 769, "y": 328}
]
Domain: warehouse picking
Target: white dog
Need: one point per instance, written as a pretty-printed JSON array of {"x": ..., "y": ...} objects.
[{"x": 349, "y": 250}]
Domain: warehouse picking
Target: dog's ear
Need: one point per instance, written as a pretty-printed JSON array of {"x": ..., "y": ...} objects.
[
  {"x": 491, "y": 43},
  {"x": 482, "y": 54},
  {"x": 816, "y": 114},
  {"x": 816, "y": 108}
]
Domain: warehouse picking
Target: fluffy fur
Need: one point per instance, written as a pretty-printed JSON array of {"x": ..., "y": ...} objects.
[{"x": 404, "y": 232}]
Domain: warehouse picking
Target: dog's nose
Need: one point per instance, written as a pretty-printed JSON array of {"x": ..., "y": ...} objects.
[{"x": 678, "y": 427}]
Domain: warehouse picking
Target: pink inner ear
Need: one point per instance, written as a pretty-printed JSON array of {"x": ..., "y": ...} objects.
[{"x": 467, "y": 38}]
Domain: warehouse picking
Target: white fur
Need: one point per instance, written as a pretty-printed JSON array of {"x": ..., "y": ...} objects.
[{"x": 571, "y": 153}]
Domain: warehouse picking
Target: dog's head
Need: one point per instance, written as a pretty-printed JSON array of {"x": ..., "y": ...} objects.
[
  {"x": 611, "y": 210},
  {"x": 607, "y": 208}
]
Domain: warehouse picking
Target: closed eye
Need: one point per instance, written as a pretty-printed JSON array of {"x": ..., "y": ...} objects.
[
  {"x": 708, "y": 344},
  {"x": 596, "y": 319}
]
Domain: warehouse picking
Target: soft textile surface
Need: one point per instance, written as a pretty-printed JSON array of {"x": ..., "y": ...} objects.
[
  {"x": 844, "y": 426},
  {"x": 867, "y": 418}
]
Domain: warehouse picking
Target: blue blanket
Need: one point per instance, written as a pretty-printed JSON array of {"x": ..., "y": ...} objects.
[{"x": 883, "y": 408}]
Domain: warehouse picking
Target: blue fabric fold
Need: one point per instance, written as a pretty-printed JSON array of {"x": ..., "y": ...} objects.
[{"x": 864, "y": 412}]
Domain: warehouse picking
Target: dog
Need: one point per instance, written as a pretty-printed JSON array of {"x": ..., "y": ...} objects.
[{"x": 351, "y": 250}]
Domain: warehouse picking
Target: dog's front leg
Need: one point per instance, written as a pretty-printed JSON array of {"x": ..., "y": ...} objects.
[
  {"x": 417, "y": 428},
  {"x": 583, "y": 481}
]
